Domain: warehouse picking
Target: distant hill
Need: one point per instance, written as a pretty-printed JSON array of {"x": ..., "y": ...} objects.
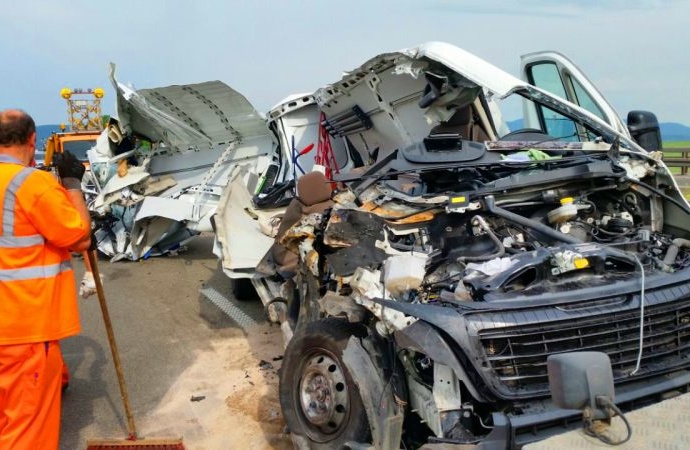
[{"x": 670, "y": 131}]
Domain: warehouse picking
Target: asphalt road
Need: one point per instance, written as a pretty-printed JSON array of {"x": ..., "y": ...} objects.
[{"x": 164, "y": 325}]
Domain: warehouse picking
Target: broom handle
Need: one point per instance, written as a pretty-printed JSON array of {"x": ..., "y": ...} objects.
[{"x": 131, "y": 428}]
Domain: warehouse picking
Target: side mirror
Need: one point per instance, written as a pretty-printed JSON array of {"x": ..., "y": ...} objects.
[
  {"x": 577, "y": 379},
  {"x": 584, "y": 381},
  {"x": 644, "y": 129}
]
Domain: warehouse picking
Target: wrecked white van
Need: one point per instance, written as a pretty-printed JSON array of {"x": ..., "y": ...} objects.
[{"x": 424, "y": 273}]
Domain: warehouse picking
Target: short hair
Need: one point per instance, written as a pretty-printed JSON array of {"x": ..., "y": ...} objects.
[{"x": 16, "y": 127}]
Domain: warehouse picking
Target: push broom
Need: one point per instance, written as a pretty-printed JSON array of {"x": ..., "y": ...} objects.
[{"x": 132, "y": 442}]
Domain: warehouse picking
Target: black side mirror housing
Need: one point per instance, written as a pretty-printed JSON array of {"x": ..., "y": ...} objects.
[
  {"x": 644, "y": 129},
  {"x": 576, "y": 379}
]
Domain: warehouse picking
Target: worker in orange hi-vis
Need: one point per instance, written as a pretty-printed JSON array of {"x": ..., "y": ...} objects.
[{"x": 42, "y": 221}]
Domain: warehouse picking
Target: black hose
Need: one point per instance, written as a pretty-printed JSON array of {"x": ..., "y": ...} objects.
[
  {"x": 490, "y": 204},
  {"x": 501, "y": 249}
]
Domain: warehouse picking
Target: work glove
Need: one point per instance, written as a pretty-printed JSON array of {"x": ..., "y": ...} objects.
[
  {"x": 70, "y": 169},
  {"x": 88, "y": 285}
]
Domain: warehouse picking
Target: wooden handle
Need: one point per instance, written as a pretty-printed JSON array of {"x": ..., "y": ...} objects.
[{"x": 131, "y": 428}]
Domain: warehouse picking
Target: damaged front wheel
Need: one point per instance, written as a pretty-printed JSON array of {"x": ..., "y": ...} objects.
[{"x": 319, "y": 399}]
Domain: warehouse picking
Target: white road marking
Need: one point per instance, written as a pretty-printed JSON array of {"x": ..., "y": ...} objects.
[{"x": 229, "y": 308}]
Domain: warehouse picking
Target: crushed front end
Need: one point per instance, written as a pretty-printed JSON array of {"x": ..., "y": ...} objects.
[{"x": 464, "y": 278}]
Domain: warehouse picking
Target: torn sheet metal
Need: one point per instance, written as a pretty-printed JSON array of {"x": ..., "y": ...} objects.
[
  {"x": 241, "y": 225},
  {"x": 167, "y": 159},
  {"x": 354, "y": 233},
  {"x": 380, "y": 401}
]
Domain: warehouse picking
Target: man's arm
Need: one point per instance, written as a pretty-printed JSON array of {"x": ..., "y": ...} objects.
[
  {"x": 71, "y": 171},
  {"x": 76, "y": 197},
  {"x": 59, "y": 212}
]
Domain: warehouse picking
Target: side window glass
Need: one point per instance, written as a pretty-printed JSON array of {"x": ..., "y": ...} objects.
[
  {"x": 558, "y": 125},
  {"x": 545, "y": 76},
  {"x": 583, "y": 99}
]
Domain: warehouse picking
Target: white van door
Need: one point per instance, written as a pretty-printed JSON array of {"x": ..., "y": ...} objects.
[{"x": 555, "y": 73}]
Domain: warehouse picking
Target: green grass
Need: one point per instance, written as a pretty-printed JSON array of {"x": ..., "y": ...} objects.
[{"x": 680, "y": 144}]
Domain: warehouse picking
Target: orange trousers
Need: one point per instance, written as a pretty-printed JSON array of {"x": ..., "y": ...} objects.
[{"x": 30, "y": 396}]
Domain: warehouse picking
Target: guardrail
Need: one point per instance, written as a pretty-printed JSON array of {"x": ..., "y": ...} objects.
[{"x": 682, "y": 161}]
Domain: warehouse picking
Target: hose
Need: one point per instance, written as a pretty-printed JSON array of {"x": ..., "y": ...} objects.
[
  {"x": 490, "y": 204},
  {"x": 501, "y": 248}
]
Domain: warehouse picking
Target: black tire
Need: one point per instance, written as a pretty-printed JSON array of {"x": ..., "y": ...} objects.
[
  {"x": 319, "y": 399},
  {"x": 243, "y": 289}
]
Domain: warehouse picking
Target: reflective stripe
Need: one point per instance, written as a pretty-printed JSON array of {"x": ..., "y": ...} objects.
[
  {"x": 11, "y": 199},
  {"x": 10, "y": 159},
  {"x": 9, "y": 240},
  {"x": 32, "y": 273},
  {"x": 21, "y": 241}
]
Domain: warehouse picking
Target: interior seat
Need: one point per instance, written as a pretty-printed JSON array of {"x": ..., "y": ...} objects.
[
  {"x": 313, "y": 196},
  {"x": 463, "y": 124}
]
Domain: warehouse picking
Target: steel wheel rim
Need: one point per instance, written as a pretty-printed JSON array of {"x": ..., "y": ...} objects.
[{"x": 323, "y": 395}]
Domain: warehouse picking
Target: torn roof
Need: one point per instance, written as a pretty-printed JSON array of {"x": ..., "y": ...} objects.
[
  {"x": 470, "y": 66},
  {"x": 199, "y": 115},
  {"x": 412, "y": 60}
]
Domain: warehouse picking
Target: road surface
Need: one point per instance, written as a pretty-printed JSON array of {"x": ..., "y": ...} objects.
[{"x": 191, "y": 370}]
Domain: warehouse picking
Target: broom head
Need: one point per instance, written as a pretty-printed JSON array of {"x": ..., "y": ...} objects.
[{"x": 137, "y": 444}]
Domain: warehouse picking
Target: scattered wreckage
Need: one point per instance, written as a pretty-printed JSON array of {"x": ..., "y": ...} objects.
[
  {"x": 424, "y": 273},
  {"x": 158, "y": 170}
]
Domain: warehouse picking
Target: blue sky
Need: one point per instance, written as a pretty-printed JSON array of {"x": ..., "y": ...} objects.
[{"x": 636, "y": 51}]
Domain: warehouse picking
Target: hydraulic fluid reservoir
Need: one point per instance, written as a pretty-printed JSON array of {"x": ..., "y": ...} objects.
[{"x": 563, "y": 213}]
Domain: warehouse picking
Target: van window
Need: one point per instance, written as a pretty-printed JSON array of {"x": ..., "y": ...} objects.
[
  {"x": 546, "y": 76},
  {"x": 583, "y": 99}
]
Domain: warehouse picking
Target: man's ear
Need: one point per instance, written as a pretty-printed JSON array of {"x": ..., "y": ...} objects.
[{"x": 32, "y": 140}]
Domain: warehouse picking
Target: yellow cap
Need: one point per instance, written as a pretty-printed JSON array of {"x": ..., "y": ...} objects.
[
  {"x": 580, "y": 263},
  {"x": 98, "y": 93},
  {"x": 567, "y": 200},
  {"x": 65, "y": 93}
]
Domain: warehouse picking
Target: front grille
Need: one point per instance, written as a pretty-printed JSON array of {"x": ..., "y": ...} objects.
[{"x": 516, "y": 355}]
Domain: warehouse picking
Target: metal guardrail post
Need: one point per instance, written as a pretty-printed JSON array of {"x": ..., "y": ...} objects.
[{"x": 683, "y": 162}]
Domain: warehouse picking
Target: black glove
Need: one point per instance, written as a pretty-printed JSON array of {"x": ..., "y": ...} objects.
[{"x": 68, "y": 166}]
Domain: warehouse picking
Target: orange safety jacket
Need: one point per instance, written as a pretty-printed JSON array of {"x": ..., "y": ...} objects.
[{"x": 38, "y": 299}]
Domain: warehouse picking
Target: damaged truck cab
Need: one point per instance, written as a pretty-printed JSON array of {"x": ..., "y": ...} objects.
[
  {"x": 422, "y": 258},
  {"x": 426, "y": 292}
]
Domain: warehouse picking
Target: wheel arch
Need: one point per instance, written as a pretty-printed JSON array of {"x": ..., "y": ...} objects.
[{"x": 424, "y": 338}]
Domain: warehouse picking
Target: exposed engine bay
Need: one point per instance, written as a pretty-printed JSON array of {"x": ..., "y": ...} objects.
[{"x": 485, "y": 232}]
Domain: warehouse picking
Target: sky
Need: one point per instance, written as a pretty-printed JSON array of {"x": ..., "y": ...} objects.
[{"x": 637, "y": 52}]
